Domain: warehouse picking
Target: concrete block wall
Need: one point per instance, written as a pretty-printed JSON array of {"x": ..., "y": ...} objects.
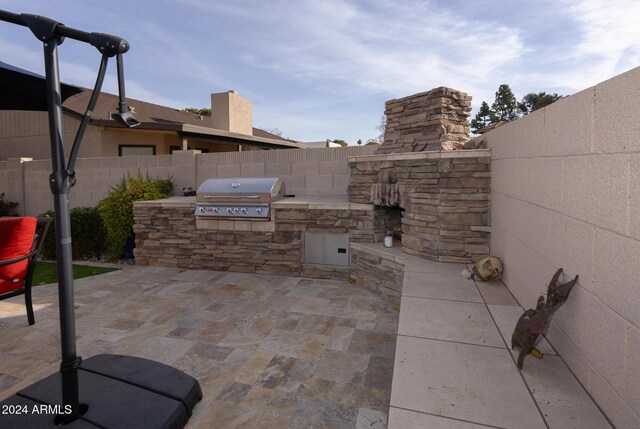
[
  {"x": 305, "y": 171},
  {"x": 95, "y": 177},
  {"x": 13, "y": 182},
  {"x": 565, "y": 193},
  {"x": 4, "y": 167}
]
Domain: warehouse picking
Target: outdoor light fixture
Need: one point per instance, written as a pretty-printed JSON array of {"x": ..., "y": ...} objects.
[{"x": 105, "y": 391}]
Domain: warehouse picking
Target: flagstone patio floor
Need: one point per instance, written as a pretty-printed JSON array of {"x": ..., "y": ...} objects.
[{"x": 268, "y": 351}]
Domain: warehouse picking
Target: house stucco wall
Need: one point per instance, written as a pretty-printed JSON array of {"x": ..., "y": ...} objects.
[
  {"x": 565, "y": 193},
  {"x": 114, "y": 137},
  {"x": 26, "y": 134}
]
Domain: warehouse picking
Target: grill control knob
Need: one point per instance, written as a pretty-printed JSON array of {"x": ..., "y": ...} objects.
[
  {"x": 201, "y": 210},
  {"x": 244, "y": 211},
  {"x": 229, "y": 211},
  {"x": 259, "y": 210},
  {"x": 235, "y": 210},
  {"x": 216, "y": 210}
]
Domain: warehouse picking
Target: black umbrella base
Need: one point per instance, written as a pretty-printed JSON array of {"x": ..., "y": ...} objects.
[{"x": 115, "y": 392}]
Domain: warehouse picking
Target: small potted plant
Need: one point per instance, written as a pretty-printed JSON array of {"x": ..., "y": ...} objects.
[{"x": 188, "y": 192}]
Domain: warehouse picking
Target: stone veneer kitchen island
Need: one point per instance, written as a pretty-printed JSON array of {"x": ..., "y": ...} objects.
[{"x": 168, "y": 234}]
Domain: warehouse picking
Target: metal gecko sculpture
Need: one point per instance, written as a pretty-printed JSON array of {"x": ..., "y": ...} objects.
[{"x": 532, "y": 323}]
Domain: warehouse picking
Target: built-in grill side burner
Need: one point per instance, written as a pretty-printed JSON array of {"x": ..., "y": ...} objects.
[{"x": 238, "y": 197}]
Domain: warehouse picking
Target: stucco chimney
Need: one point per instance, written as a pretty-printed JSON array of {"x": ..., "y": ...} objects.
[{"x": 230, "y": 112}]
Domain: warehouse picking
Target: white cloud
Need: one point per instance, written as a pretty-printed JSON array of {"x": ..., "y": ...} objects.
[
  {"x": 20, "y": 56},
  {"x": 388, "y": 48},
  {"x": 610, "y": 38}
]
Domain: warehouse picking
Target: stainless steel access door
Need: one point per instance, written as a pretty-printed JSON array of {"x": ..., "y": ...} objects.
[{"x": 327, "y": 249}]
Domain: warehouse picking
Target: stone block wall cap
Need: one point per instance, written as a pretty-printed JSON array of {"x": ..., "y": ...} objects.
[
  {"x": 368, "y": 158},
  {"x": 434, "y": 154},
  {"x": 431, "y": 91},
  {"x": 329, "y": 206},
  {"x": 466, "y": 153},
  {"x": 407, "y": 155},
  {"x": 393, "y": 254},
  {"x": 284, "y": 204},
  {"x": 168, "y": 202}
]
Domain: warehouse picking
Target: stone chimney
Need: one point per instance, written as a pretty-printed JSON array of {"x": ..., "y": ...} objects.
[
  {"x": 426, "y": 120},
  {"x": 230, "y": 112}
]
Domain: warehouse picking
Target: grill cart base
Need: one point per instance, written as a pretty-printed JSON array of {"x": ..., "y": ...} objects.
[{"x": 115, "y": 392}]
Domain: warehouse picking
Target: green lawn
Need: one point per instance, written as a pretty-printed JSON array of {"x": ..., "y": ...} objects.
[{"x": 47, "y": 272}]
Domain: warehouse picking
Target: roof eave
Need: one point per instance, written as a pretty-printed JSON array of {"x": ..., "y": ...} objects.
[
  {"x": 195, "y": 132},
  {"x": 205, "y": 133}
]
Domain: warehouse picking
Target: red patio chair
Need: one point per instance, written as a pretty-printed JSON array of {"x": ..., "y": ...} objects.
[{"x": 21, "y": 239}]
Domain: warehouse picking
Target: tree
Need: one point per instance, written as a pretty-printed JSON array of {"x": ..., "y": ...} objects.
[
  {"x": 205, "y": 111},
  {"x": 381, "y": 127},
  {"x": 504, "y": 106},
  {"x": 274, "y": 131},
  {"x": 484, "y": 118},
  {"x": 536, "y": 100},
  {"x": 340, "y": 142}
]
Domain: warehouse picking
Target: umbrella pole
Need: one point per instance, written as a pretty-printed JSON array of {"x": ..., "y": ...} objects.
[{"x": 59, "y": 182}]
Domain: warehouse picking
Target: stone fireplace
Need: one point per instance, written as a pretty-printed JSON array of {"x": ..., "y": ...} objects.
[{"x": 443, "y": 196}]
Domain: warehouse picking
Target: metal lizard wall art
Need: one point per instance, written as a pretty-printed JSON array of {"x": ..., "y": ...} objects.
[{"x": 532, "y": 323}]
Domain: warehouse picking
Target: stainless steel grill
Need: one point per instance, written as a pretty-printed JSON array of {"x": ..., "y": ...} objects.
[{"x": 238, "y": 197}]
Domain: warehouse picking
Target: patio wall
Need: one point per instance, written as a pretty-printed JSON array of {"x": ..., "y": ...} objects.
[
  {"x": 305, "y": 172},
  {"x": 565, "y": 193},
  {"x": 4, "y": 166}
]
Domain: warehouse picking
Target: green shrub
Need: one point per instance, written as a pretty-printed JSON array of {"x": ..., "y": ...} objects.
[
  {"x": 116, "y": 210},
  {"x": 87, "y": 234},
  {"x": 49, "y": 246},
  {"x": 7, "y": 208}
]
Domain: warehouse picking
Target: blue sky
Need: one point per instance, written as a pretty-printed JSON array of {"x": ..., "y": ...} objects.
[{"x": 323, "y": 69}]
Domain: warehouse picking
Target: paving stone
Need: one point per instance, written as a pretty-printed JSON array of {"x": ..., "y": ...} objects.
[
  {"x": 340, "y": 338},
  {"x": 373, "y": 343},
  {"x": 259, "y": 362},
  {"x": 462, "y": 381},
  {"x": 281, "y": 402},
  {"x": 313, "y": 348},
  {"x": 125, "y": 324},
  {"x": 234, "y": 392},
  {"x": 286, "y": 374},
  {"x": 222, "y": 414},
  {"x": 379, "y": 373},
  {"x": 6, "y": 381},
  {"x": 180, "y": 332},
  {"x": 211, "y": 351},
  {"x": 342, "y": 367},
  {"x": 371, "y": 419},
  {"x": 316, "y": 324},
  {"x": 323, "y": 414}
]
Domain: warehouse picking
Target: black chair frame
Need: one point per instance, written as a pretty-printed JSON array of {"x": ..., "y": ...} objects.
[{"x": 42, "y": 227}]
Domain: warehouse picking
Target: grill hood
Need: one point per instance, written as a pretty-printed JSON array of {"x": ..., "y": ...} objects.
[{"x": 238, "y": 197}]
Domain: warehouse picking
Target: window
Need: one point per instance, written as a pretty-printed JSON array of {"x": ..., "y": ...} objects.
[
  {"x": 137, "y": 150},
  {"x": 175, "y": 148}
]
